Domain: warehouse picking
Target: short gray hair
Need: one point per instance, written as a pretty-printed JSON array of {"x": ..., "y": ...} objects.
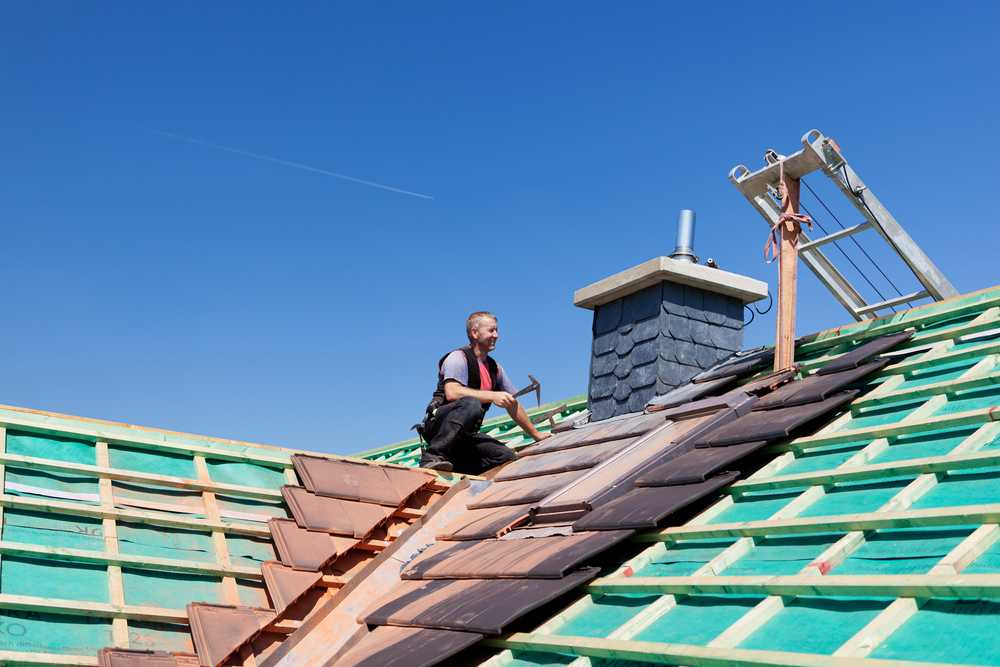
[{"x": 475, "y": 321}]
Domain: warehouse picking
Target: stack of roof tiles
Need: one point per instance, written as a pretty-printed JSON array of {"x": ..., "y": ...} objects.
[
  {"x": 524, "y": 541},
  {"x": 346, "y": 512}
]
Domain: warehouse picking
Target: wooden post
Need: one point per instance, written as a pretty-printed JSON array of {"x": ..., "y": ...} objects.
[{"x": 788, "y": 260}]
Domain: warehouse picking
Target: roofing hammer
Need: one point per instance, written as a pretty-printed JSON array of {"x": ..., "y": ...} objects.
[{"x": 536, "y": 386}]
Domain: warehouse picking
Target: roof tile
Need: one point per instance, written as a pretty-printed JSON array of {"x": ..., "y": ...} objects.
[
  {"x": 302, "y": 549},
  {"x": 696, "y": 465},
  {"x": 530, "y": 558},
  {"x": 645, "y": 507},
  {"x": 858, "y": 355},
  {"x": 332, "y": 515},
  {"x": 815, "y": 388},
  {"x": 220, "y": 630},
  {"x": 521, "y": 491},
  {"x": 477, "y": 605},
  {"x": 286, "y": 585},
  {"x": 364, "y": 482},
  {"x": 406, "y": 647},
  {"x": 478, "y": 524},
  {"x": 771, "y": 424}
]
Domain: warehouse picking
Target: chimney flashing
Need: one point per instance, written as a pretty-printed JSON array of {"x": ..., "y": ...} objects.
[{"x": 657, "y": 270}]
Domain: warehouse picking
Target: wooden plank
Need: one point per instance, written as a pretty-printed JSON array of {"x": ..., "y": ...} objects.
[
  {"x": 924, "y": 362},
  {"x": 902, "y": 609},
  {"x": 229, "y": 588},
  {"x": 946, "y": 387},
  {"x": 964, "y": 587},
  {"x": 879, "y": 628},
  {"x": 95, "y": 435},
  {"x": 92, "y": 609},
  {"x": 788, "y": 262},
  {"x": 947, "y": 516},
  {"x": 126, "y": 560},
  {"x": 914, "y": 318},
  {"x": 750, "y": 622},
  {"x": 130, "y": 516},
  {"x": 116, "y": 587},
  {"x": 681, "y": 654},
  {"x": 118, "y": 475},
  {"x": 46, "y": 659},
  {"x": 930, "y": 464},
  {"x": 968, "y": 551},
  {"x": 906, "y": 427}
]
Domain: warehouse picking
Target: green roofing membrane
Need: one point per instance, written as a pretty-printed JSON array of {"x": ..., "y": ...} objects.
[
  {"x": 814, "y": 625},
  {"x": 756, "y": 506},
  {"x": 921, "y": 445},
  {"x": 53, "y": 447},
  {"x": 684, "y": 558},
  {"x": 855, "y": 497},
  {"x": 34, "y": 632},
  {"x": 965, "y": 632},
  {"x": 948, "y": 371},
  {"x": 812, "y": 460},
  {"x": 781, "y": 555},
  {"x": 607, "y": 613},
  {"x": 698, "y": 619},
  {"x": 906, "y": 551},
  {"x": 881, "y": 415}
]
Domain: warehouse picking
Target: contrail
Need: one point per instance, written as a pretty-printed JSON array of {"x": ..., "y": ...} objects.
[{"x": 287, "y": 164}]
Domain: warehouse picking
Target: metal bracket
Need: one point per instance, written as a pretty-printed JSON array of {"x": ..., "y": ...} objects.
[{"x": 822, "y": 153}]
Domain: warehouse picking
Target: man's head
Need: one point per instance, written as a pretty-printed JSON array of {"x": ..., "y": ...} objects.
[{"x": 481, "y": 328}]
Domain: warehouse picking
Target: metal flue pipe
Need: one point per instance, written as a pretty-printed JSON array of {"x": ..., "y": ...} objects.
[{"x": 684, "y": 250}]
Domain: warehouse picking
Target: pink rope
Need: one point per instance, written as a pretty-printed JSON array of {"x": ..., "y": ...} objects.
[{"x": 773, "y": 243}]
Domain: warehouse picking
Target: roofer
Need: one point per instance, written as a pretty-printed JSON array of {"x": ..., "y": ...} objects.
[{"x": 469, "y": 381}]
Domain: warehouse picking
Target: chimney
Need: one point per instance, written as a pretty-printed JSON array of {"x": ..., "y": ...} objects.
[{"x": 659, "y": 324}]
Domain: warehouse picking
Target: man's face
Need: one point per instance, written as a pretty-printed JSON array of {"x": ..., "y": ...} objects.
[{"x": 486, "y": 335}]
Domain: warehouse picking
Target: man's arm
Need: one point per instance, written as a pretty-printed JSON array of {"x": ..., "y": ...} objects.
[
  {"x": 520, "y": 418},
  {"x": 453, "y": 391}
]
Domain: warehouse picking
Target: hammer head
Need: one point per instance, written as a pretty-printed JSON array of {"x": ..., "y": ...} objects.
[{"x": 538, "y": 389}]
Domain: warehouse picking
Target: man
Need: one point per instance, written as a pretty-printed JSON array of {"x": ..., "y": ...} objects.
[{"x": 469, "y": 381}]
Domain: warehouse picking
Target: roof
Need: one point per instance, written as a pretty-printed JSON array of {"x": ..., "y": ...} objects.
[{"x": 862, "y": 525}]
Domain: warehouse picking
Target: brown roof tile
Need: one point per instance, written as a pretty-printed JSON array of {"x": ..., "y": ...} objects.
[
  {"x": 363, "y": 482},
  {"x": 302, "y": 549},
  {"x": 815, "y": 388},
  {"x": 643, "y": 508},
  {"x": 476, "y": 605},
  {"x": 696, "y": 465},
  {"x": 771, "y": 424},
  {"x": 478, "y": 524},
  {"x": 689, "y": 392},
  {"x": 858, "y": 355},
  {"x": 599, "y": 481},
  {"x": 406, "y": 647},
  {"x": 219, "y": 631},
  {"x": 578, "y": 458},
  {"x": 521, "y": 491},
  {"x": 333, "y": 515},
  {"x": 530, "y": 558},
  {"x": 286, "y": 585}
]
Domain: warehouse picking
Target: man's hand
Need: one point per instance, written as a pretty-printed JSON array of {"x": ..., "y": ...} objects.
[
  {"x": 542, "y": 436},
  {"x": 502, "y": 399}
]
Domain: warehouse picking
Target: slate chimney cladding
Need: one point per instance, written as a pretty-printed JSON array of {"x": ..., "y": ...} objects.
[
  {"x": 658, "y": 325},
  {"x": 655, "y": 339}
]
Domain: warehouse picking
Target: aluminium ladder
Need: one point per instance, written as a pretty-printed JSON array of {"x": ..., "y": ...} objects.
[{"x": 821, "y": 152}]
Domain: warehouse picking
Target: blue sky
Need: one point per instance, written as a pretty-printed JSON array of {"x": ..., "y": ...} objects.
[{"x": 167, "y": 283}]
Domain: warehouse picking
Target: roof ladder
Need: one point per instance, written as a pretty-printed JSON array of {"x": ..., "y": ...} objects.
[{"x": 821, "y": 152}]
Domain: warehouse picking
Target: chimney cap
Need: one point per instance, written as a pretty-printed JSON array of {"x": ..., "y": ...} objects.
[{"x": 657, "y": 270}]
